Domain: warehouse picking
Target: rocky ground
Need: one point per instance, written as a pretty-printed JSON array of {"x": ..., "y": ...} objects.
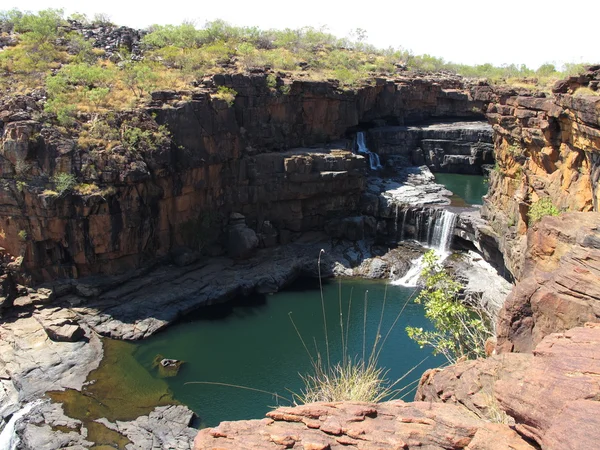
[{"x": 356, "y": 425}]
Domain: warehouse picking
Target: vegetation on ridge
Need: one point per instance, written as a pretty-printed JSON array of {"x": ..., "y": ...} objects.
[{"x": 45, "y": 49}]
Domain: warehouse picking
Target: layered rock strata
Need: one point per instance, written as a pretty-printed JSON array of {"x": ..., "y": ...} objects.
[
  {"x": 454, "y": 147},
  {"x": 545, "y": 147},
  {"x": 550, "y": 395},
  {"x": 139, "y": 203},
  {"x": 560, "y": 285},
  {"x": 342, "y": 425}
]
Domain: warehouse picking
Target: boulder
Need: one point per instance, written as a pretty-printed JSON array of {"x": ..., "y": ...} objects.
[
  {"x": 65, "y": 332},
  {"x": 241, "y": 240}
]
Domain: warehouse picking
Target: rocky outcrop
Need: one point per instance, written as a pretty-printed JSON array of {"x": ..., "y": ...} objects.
[
  {"x": 455, "y": 147},
  {"x": 560, "y": 285},
  {"x": 134, "y": 205},
  {"x": 388, "y": 425},
  {"x": 546, "y": 147},
  {"x": 47, "y": 427},
  {"x": 552, "y": 395}
]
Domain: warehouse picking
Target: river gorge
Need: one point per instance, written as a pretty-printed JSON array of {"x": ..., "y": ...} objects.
[{"x": 197, "y": 249}]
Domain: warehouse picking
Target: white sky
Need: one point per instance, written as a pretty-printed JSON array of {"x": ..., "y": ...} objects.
[{"x": 530, "y": 32}]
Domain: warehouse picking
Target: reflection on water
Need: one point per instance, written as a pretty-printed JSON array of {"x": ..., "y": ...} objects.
[
  {"x": 250, "y": 343},
  {"x": 467, "y": 189}
]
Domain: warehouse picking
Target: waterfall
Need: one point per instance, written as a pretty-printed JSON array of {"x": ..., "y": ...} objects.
[
  {"x": 438, "y": 239},
  {"x": 8, "y": 438},
  {"x": 443, "y": 231},
  {"x": 411, "y": 278},
  {"x": 362, "y": 148},
  {"x": 404, "y": 214}
]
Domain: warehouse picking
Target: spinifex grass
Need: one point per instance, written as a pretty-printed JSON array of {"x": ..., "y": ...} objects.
[{"x": 354, "y": 378}]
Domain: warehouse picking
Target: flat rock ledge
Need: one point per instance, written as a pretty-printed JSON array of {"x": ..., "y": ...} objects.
[{"x": 347, "y": 425}]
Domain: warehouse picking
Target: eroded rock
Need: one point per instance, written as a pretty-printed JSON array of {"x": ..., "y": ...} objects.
[{"x": 388, "y": 425}]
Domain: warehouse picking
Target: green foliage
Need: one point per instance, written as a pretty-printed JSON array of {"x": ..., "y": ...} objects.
[
  {"x": 542, "y": 208},
  {"x": 140, "y": 77},
  {"x": 546, "y": 70},
  {"x": 459, "y": 331},
  {"x": 8, "y": 19},
  {"x": 271, "y": 81},
  {"x": 226, "y": 94},
  {"x": 135, "y": 138},
  {"x": 22, "y": 235},
  {"x": 285, "y": 89},
  {"x": 181, "y": 36},
  {"x": 76, "y": 83},
  {"x": 38, "y": 28},
  {"x": 64, "y": 182}
]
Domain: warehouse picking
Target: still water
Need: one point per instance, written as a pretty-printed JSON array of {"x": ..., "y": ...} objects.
[
  {"x": 253, "y": 343},
  {"x": 467, "y": 189}
]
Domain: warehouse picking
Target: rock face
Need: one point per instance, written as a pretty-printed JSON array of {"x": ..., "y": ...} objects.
[
  {"x": 552, "y": 395},
  {"x": 389, "y": 425},
  {"x": 560, "y": 286},
  {"x": 455, "y": 147},
  {"x": 216, "y": 158},
  {"x": 544, "y": 147}
]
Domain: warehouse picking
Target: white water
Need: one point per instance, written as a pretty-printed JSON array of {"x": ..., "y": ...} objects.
[
  {"x": 374, "y": 161},
  {"x": 8, "y": 438},
  {"x": 443, "y": 229}
]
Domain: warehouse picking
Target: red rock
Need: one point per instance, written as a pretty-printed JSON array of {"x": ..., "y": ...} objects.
[
  {"x": 389, "y": 425},
  {"x": 560, "y": 287}
]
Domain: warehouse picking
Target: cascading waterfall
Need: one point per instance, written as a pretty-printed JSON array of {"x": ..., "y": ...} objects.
[
  {"x": 438, "y": 239},
  {"x": 443, "y": 230},
  {"x": 404, "y": 214},
  {"x": 8, "y": 438},
  {"x": 374, "y": 161}
]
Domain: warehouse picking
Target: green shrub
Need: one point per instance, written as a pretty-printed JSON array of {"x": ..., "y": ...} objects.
[
  {"x": 140, "y": 77},
  {"x": 137, "y": 139},
  {"x": 460, "y": 331},
  {"x": 226, "y": 94},
  {"x": 41, "y": 27},
  {"x": 64, "y": 182},
  {"x": 542, "y": 208},
  {"x": 271, "y": 81},
  {"x": 182, "y": 36}
]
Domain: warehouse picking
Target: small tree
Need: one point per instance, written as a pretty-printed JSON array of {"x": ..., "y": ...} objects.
[
  {"x": 64, "y": 182},
  {"x": 460, "y": 331}
]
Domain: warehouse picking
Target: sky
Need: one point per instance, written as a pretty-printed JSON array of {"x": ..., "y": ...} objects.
[{"x": 530, "y": 32}]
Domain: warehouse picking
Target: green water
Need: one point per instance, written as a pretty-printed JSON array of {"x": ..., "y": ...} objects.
[
  {"x": 468, "y": 188},
  {"x": 253, "y": 343}
]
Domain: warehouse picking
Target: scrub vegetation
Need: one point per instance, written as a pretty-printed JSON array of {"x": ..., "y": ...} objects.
[{"x": 44, "y": 50}]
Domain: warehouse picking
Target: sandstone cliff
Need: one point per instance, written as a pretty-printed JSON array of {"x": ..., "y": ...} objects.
[
  {"x": 135, "y": 203},
  {"x": 545, "y": 146}
]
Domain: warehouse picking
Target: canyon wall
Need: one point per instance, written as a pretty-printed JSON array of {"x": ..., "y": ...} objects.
[
  {"x": 145, "y": 201},
  {"x": 546, "y": 146}
]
